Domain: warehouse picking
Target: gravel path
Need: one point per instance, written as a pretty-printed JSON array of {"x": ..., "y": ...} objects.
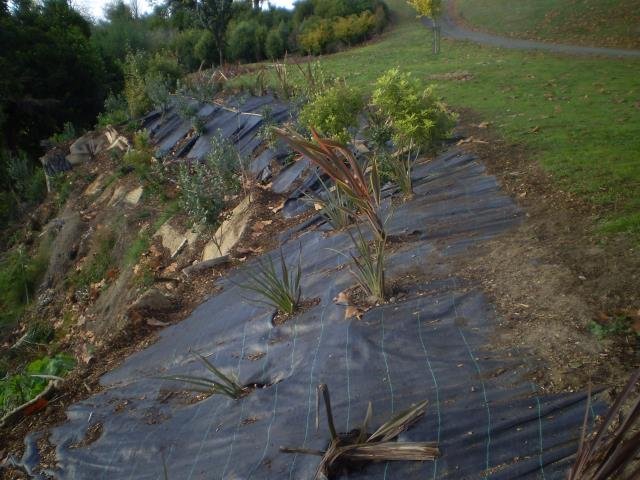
[{"x": 452, "y": 29}]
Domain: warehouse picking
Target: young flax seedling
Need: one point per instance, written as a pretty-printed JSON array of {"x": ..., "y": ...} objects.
[
  {"x": 401, "y": 165},
  {"x": 359, "y": 446},
  {"x": 278, "y": 289},
  {"x": 334, "y": 205},
  {"x": 221, "y": 384}
]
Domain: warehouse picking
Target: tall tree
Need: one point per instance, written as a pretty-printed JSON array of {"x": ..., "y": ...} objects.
[
  {"x": 214, "y": 16},
  {"x": 433, "y": 10}
]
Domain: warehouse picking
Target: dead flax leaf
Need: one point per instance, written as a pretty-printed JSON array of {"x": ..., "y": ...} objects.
[
  {"x": 152, "y": 322},
  {"x": 353, "y": 311},
  {"x": 278, "y": 207},
  {"x": 471, "y": 140}
]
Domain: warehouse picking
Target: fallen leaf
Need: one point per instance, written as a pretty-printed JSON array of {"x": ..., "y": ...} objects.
[
  {"x": 353, "y": 311},
  {"x": 342, "y": 298}
]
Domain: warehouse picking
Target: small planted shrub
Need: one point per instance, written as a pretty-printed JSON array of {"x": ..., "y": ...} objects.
[
  {"x": 413, "y": 112},
  {"x": 220, "y": 384},
  {"x": 201, "y": 194},
  {"x": 333, "y": 111},
  {"x": 225, "y": 162},
  {"x": 204, "y": 185},
  {"x": 278, "y": 288},
  {"x": 116, "y": 111}
]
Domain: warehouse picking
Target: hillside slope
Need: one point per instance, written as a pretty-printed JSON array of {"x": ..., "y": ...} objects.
[{"x": 606, "y": 23}]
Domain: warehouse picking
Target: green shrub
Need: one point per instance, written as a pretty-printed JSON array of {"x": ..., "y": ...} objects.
[
  {"x": 354, "y": 28},
  {"x": 204, "y": 185},
  {"x": 68, "y": 133},
  {"x": 333, "y": 111},
  {"x": 96, "y": 267},
  {"x": 206, "y": 50},
  {"x": 134, "y": 84},
  {"x": 224, "y": 162},
  {"x": 116, "y": 111},
  {"x": 184, "y": 46},
  {"x": 275, "y": 45},
  {"x": 246, "y": 41},
  {"x": 201, "y": 193},
  {"x": 138, "y": 69},
  {"x": 157, "y": 88},
  {"x": 414, "y": 113},
  {"x": 316, "y": 35}
]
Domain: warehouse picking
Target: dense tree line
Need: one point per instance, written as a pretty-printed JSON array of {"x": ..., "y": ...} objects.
[{"x": 60, "y": 67}]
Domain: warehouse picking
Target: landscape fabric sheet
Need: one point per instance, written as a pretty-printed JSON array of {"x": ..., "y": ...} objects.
[{"x": 432, "y": 344}]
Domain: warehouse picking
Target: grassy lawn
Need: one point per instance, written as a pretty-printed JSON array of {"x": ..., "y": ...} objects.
[
  {"x": 611, "y": 23},
  {"x": 579, "y": 116}
]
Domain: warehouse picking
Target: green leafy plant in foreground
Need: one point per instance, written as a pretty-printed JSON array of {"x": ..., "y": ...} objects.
[
  {"x": 360, "y": 446},
  {"x": 278, "y": 289},
  {"x": 22, "y": 387},
  {"x": 221, "y": 384}
]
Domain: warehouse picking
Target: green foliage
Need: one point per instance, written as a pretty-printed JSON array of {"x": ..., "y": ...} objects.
[
  {"x": 20, "y": 275},
  {"x": 199, "y": 85},
  {"x": 205, "y": 48},
  {"x": 116, "y": 111},
  {"x": 146, "y": 77},
  {"x": 140, "y": 156},
  {"x": 369, "y": 264},
  {"x": 225, "y": 163},
  {"x": 68, "y": 133},
  {"x": 204, "y": 185},
  {"x": 619, "y": 325},
  {"x": 333, "y": 111},
  {"x": 414, "y": 113},
  {"x": 246, "y": 41},
  {"x": 354, "y": 28},
  {"x": 275, "y": 43},
  {"x": 22, "y": 387},
  {"x": 277, "y": 288},
  {"x": 101, "y": 259},
  {"x": 134, "y": 85},
  {"x": 51, "y": 73}
]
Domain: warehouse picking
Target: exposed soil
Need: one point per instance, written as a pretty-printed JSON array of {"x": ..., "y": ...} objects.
[{"x": 553, "y": 275}]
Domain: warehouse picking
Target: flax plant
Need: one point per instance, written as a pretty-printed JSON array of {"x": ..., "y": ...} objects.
[
  {"x": 278, "y": 289},
  {"x": 221, "y": 384},
  {"x": 611, "y": 453}
]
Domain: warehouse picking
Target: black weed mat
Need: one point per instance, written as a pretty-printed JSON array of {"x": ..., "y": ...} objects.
[{"x": 433, "y": 344}]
